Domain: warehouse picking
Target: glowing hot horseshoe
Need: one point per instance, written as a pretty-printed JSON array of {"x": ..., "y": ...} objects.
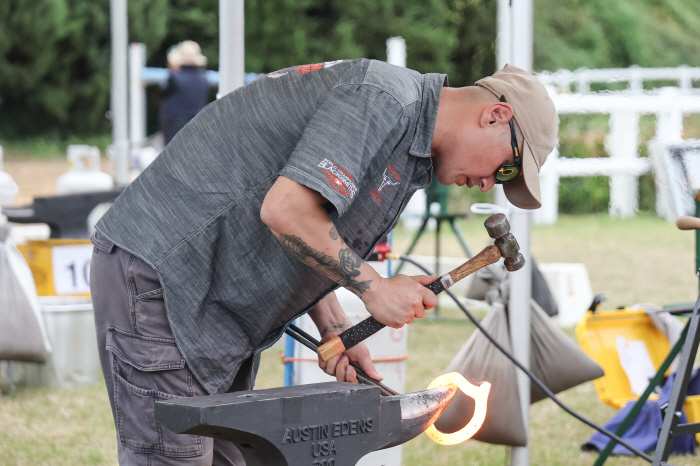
[{"x": 480, "y": 395}]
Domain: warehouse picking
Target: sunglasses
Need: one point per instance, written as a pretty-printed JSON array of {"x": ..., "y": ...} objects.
[{"x": 510, "y": 171}]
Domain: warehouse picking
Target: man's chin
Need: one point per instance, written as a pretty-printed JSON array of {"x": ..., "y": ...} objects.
[{"x": 442, "y": 181}]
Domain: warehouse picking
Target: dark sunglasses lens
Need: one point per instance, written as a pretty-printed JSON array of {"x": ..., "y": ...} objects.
[{"x": 507, "y": 173}]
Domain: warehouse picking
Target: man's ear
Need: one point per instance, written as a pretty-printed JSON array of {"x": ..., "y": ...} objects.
[{"x": 496, "y": 113}]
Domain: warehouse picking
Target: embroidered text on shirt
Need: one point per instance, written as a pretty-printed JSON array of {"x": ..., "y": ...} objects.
[{"x": 338, "y": 178}]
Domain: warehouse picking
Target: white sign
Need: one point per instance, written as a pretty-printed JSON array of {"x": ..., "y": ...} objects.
[{"x": 71, "y": 268}]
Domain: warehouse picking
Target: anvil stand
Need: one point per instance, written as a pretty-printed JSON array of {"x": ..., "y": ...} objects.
[
  {"x": 672, "y": 411},
  {"x": 437, "y": 193}
]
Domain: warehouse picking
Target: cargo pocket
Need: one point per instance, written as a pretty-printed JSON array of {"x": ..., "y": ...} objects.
[{"x": 146, "y": 370}]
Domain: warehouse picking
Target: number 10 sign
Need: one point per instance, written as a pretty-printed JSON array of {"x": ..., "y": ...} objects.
[{"x": 71, "y": 268}]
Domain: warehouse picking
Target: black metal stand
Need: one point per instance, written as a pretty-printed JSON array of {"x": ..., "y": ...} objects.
[
  {"x": 439, "y": 219},
  {"x": 672, "y": 411}
]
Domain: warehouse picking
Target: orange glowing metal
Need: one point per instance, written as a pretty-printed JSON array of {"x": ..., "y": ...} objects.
[{"x": 480, "y": 395}]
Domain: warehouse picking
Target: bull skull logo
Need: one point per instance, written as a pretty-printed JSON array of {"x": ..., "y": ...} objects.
[{"x": 388, "y": 179}]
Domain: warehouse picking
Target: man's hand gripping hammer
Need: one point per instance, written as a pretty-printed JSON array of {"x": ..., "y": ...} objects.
[{"x": 505, "y": 246}]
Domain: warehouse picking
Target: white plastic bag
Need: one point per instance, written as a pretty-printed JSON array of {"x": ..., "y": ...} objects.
[{"x": 22, "y": 333}]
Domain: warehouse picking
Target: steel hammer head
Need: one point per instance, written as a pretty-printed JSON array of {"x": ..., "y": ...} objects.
[{"x": 498, "y": 228}]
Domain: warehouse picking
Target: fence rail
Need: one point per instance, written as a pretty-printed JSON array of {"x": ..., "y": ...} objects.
[
  {"x": 624, "y": 165},
  {"x": 634, "y": 76}
]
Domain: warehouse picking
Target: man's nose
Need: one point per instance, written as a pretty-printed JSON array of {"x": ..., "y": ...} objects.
[{"x": 486, "y": 183}]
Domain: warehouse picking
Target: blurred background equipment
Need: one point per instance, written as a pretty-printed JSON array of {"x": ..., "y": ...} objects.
[
  {"x": 22, "y": 333},
  {"x": 8, "y": 187},
  {"x": 84, "y": 174}
]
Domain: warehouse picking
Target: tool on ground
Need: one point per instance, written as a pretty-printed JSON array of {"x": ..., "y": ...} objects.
[
  {"x": 313, "y": 344},
  {"x": 506, "y": 246},
  {"x": 324, "y": 424}
]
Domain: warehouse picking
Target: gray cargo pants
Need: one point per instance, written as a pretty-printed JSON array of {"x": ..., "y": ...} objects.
[{"x": 141, "y": 363}]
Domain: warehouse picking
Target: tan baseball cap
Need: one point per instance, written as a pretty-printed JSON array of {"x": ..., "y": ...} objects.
[{"x": 538, "y": 121}]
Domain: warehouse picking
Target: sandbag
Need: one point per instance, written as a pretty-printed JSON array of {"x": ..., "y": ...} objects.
[
  {"x": 480, "y": 360},
  {"x": 491, "y": 276},
  {"x": 22, "y": 333},
  {"x": 554, "y": 359}
]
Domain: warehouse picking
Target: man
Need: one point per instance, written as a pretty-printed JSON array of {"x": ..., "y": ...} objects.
[{"x": 265, "y": 203}]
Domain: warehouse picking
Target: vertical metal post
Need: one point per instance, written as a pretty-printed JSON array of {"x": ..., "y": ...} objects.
[
  {"x": 519, "y": 323},
  {"x": 521, "y": 34},
  {"x": 504, "y": 55},
  {"x": 504, "y": 51},
  {"x": 697, "y": 239},
  {"x": 137, "y": 95},
  {"x": 521, "y": 40},
  {"x": 396, "y": 51},
  {"x": 231, "y": 46},
  {"x": 622, "y": 142},
  {"x": 119, "y": 97},
  {"x": 289, "y": 366}
]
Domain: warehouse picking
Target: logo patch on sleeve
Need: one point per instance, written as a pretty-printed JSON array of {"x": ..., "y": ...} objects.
[{"x": 338, "y": 178}]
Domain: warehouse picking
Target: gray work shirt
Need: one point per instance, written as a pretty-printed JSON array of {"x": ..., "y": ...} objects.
[{"x": 357, "y": 131}]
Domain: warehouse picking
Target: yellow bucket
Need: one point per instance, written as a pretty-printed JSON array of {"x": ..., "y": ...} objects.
[
  {"x": 597, "y": 333},
  {"x": 692, "y": 410}
]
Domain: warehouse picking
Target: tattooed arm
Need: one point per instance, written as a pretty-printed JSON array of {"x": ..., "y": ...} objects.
[{"x": 295, "y": 215}]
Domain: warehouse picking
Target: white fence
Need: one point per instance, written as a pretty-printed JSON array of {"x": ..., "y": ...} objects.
[
  {"x": 634, "y": 76},
  {"x": 624, "y": 165}
]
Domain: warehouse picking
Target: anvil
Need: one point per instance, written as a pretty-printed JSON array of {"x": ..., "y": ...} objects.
[{"x": 324, "y": 424}]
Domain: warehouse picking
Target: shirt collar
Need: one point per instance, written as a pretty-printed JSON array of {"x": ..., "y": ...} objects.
[{"x": 423, "y": 138}]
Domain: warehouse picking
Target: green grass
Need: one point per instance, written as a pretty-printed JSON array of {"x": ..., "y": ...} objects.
[
  {"x": 632, "y": 260},
  {"x": 47, "y": 147}
]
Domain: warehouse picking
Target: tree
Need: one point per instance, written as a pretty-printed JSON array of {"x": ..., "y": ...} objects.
[{"x": 55, "y": 62}]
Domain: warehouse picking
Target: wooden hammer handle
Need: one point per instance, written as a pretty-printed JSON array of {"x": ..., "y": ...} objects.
[
  {"x": 370, "y": 326},
  {"x": 487, "y": 256},
  {"x": 685, "y": 222}
]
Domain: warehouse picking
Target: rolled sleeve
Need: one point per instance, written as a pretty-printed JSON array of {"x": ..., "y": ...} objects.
[{"x": 340, "y": 141}]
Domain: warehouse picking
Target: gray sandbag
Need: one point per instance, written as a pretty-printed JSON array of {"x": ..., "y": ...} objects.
[
  {"x": 490, "y": 277},
  {"x": 485, "y": 279},
  {"x": 479, "y": 360},
  {"x": 554, "y": 357},
  {"x": 541, "y": 292},
  {"x": 22, "y": 333}
]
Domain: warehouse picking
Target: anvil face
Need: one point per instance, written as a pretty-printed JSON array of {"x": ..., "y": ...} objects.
[{"x": 327, "y": 424}]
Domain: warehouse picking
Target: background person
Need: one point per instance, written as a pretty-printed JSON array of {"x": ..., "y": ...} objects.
[{"x": 186, "y": 91}]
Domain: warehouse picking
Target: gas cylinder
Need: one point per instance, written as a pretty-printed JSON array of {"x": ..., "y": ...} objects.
[
  {"x": 8, "y": 187},
  {"x": 84, "y": 173}
]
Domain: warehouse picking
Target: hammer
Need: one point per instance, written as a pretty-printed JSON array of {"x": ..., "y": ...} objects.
[{"x": 505, "y": 246}]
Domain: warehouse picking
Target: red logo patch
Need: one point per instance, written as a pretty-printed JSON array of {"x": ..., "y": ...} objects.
[{"x": 338, "y": 179}]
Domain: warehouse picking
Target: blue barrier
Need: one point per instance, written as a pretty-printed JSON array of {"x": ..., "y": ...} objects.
[{"x": 158, "y": 75}]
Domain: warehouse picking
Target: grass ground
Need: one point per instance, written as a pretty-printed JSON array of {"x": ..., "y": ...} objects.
[{"x": 643, "y": 259}]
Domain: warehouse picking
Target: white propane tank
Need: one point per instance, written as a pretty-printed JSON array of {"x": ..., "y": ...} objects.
[
  {"x": 8, "y": 187},
  {"x": 84, "y": 174}
]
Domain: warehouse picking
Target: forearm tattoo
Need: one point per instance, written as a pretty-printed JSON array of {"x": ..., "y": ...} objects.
[
  {"x": 344, "y": 272},
  {"x": 334, "y": 233},
  {"x": 333, "y": 327}
]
